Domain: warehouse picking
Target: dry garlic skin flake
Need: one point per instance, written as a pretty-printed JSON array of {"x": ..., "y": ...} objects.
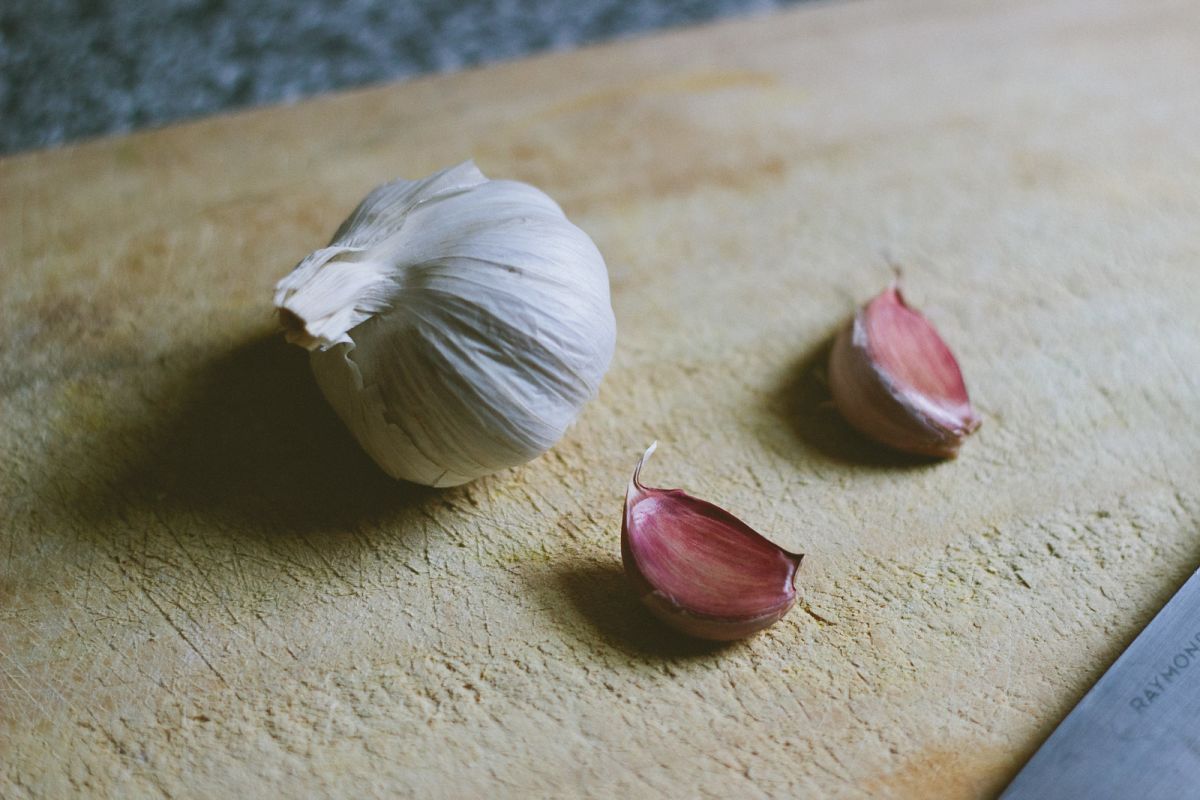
[{"x": 456, "y": 324}]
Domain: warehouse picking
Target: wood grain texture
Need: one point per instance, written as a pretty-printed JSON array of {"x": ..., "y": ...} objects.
[{"x": 207, "y": 590}]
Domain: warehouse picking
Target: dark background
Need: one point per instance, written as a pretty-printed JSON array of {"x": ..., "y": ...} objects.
[{"x": 71, "y": 69}]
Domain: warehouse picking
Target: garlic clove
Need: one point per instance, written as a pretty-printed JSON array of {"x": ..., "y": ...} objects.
[
  {"x": 895, "y": 380},
  {"x": 700, "y": 569}
]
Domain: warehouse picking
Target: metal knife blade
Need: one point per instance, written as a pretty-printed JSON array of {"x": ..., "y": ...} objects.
[{"x": 1136, "y": 734}]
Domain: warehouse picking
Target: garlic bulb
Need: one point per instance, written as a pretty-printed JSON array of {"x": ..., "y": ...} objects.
[{"x": 456, "y": 324}]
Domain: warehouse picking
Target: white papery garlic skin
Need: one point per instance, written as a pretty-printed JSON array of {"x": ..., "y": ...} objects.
[{"x": 457, "y": 324}]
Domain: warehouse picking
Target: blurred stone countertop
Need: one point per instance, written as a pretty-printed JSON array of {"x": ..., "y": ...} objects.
[{"x": 72, "y": 69}]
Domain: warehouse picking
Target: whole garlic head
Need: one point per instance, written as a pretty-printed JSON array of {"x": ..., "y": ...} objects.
[{"x": 456, "y": 324}]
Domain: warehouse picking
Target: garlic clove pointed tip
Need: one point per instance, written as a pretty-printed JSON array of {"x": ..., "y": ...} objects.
[
  {"x": 635, "y": 481},
  {"x": 637, "y": 470}
]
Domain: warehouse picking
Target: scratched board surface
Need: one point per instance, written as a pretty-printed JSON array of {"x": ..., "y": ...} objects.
[{"x": 206, "y": 589}]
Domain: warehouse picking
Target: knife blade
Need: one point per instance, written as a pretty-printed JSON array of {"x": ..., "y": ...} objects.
[{"x": 1136, "y": 733}]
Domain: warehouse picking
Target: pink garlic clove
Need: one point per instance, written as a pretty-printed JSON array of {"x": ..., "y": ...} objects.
[
  {"x": 700, "y": 569},
  {"x": 895, "y": 380}
]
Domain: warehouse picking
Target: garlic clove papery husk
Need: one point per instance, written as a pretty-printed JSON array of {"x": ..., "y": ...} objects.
[
  {"x": 457, "y": 325},
  {"x": 700, "y": 569},
  {"x": 894, "y": 379}
]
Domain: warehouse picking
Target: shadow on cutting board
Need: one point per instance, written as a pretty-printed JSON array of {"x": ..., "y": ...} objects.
[
  {"x": 245, "y": 443},
  {"x": 600, "y": 599},
  {"x": 803, "y": 403}
]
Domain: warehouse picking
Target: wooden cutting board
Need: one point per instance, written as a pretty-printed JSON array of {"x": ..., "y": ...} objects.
[{"x": 207, "y": 590}]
